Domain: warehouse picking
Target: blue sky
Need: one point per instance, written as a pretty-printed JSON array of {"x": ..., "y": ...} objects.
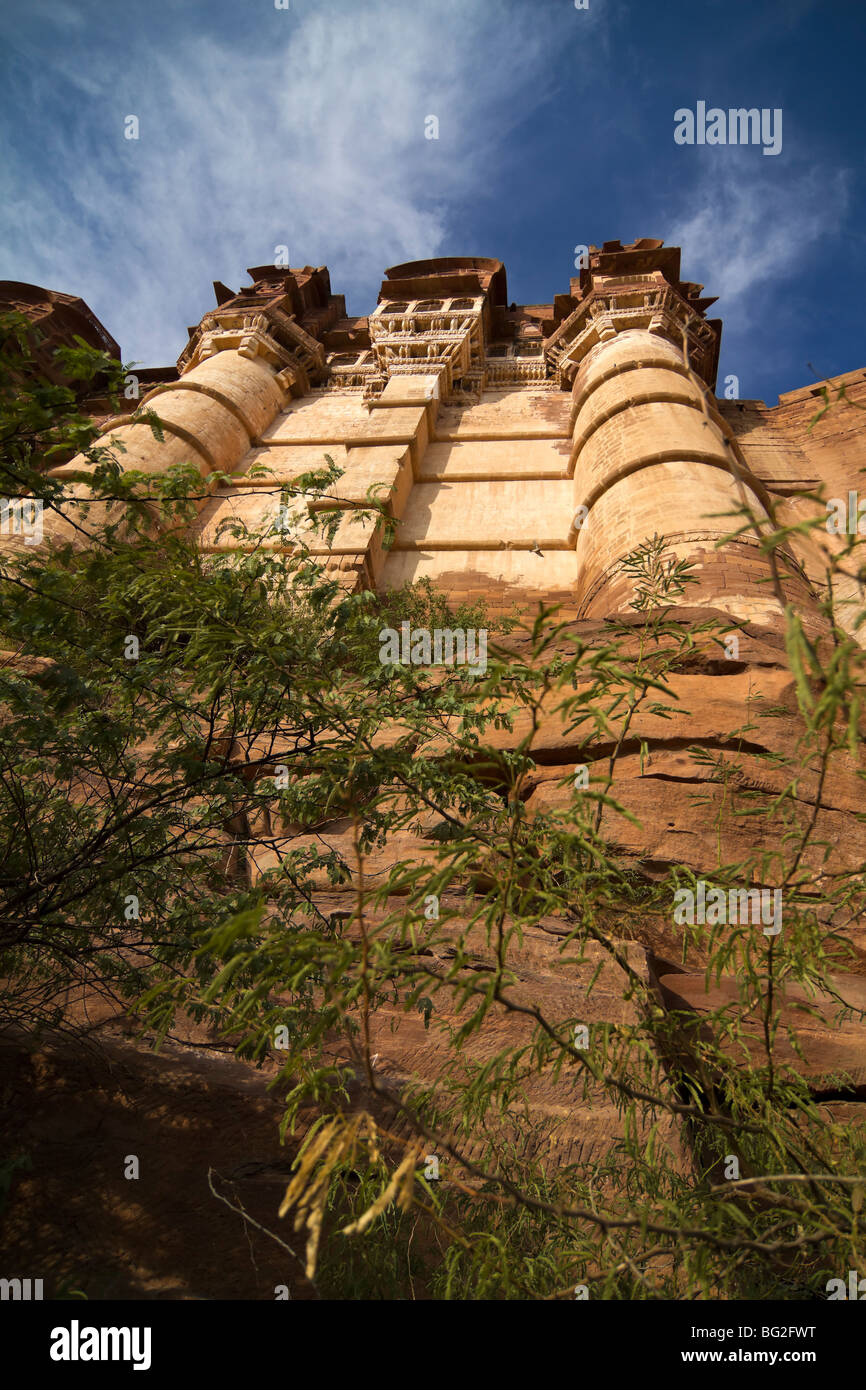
[{"x": 260, "y": 127}]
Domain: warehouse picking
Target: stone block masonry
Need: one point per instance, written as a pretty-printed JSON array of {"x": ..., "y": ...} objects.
[{"x": 523, "y": 451}]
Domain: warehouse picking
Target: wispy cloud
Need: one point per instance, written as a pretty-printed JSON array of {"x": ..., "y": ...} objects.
[
  {"x": 314, "y": 139},
  {"x": 744, "y": 230}
]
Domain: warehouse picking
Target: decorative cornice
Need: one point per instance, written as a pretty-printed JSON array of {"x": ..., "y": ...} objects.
[
  {"x": 613, "y": 308},
  {"x": 263, "y": 332}
]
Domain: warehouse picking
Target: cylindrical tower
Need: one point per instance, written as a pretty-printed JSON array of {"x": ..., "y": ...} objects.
[{"x": 649, "y": 451}]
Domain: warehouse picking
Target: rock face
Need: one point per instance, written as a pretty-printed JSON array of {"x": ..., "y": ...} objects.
[{"x": 524, "y": 453}]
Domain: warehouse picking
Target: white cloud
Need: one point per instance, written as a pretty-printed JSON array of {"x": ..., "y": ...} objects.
[
  {"x": 315, "y": 141},
  {"x": 745, "y": 229}
]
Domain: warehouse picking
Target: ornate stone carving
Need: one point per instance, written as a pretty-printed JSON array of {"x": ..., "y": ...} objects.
[
  {"x": 266, "y": 333},
  {"x": 417, "y": 336},
  {"x": 610, "y": 309}
]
